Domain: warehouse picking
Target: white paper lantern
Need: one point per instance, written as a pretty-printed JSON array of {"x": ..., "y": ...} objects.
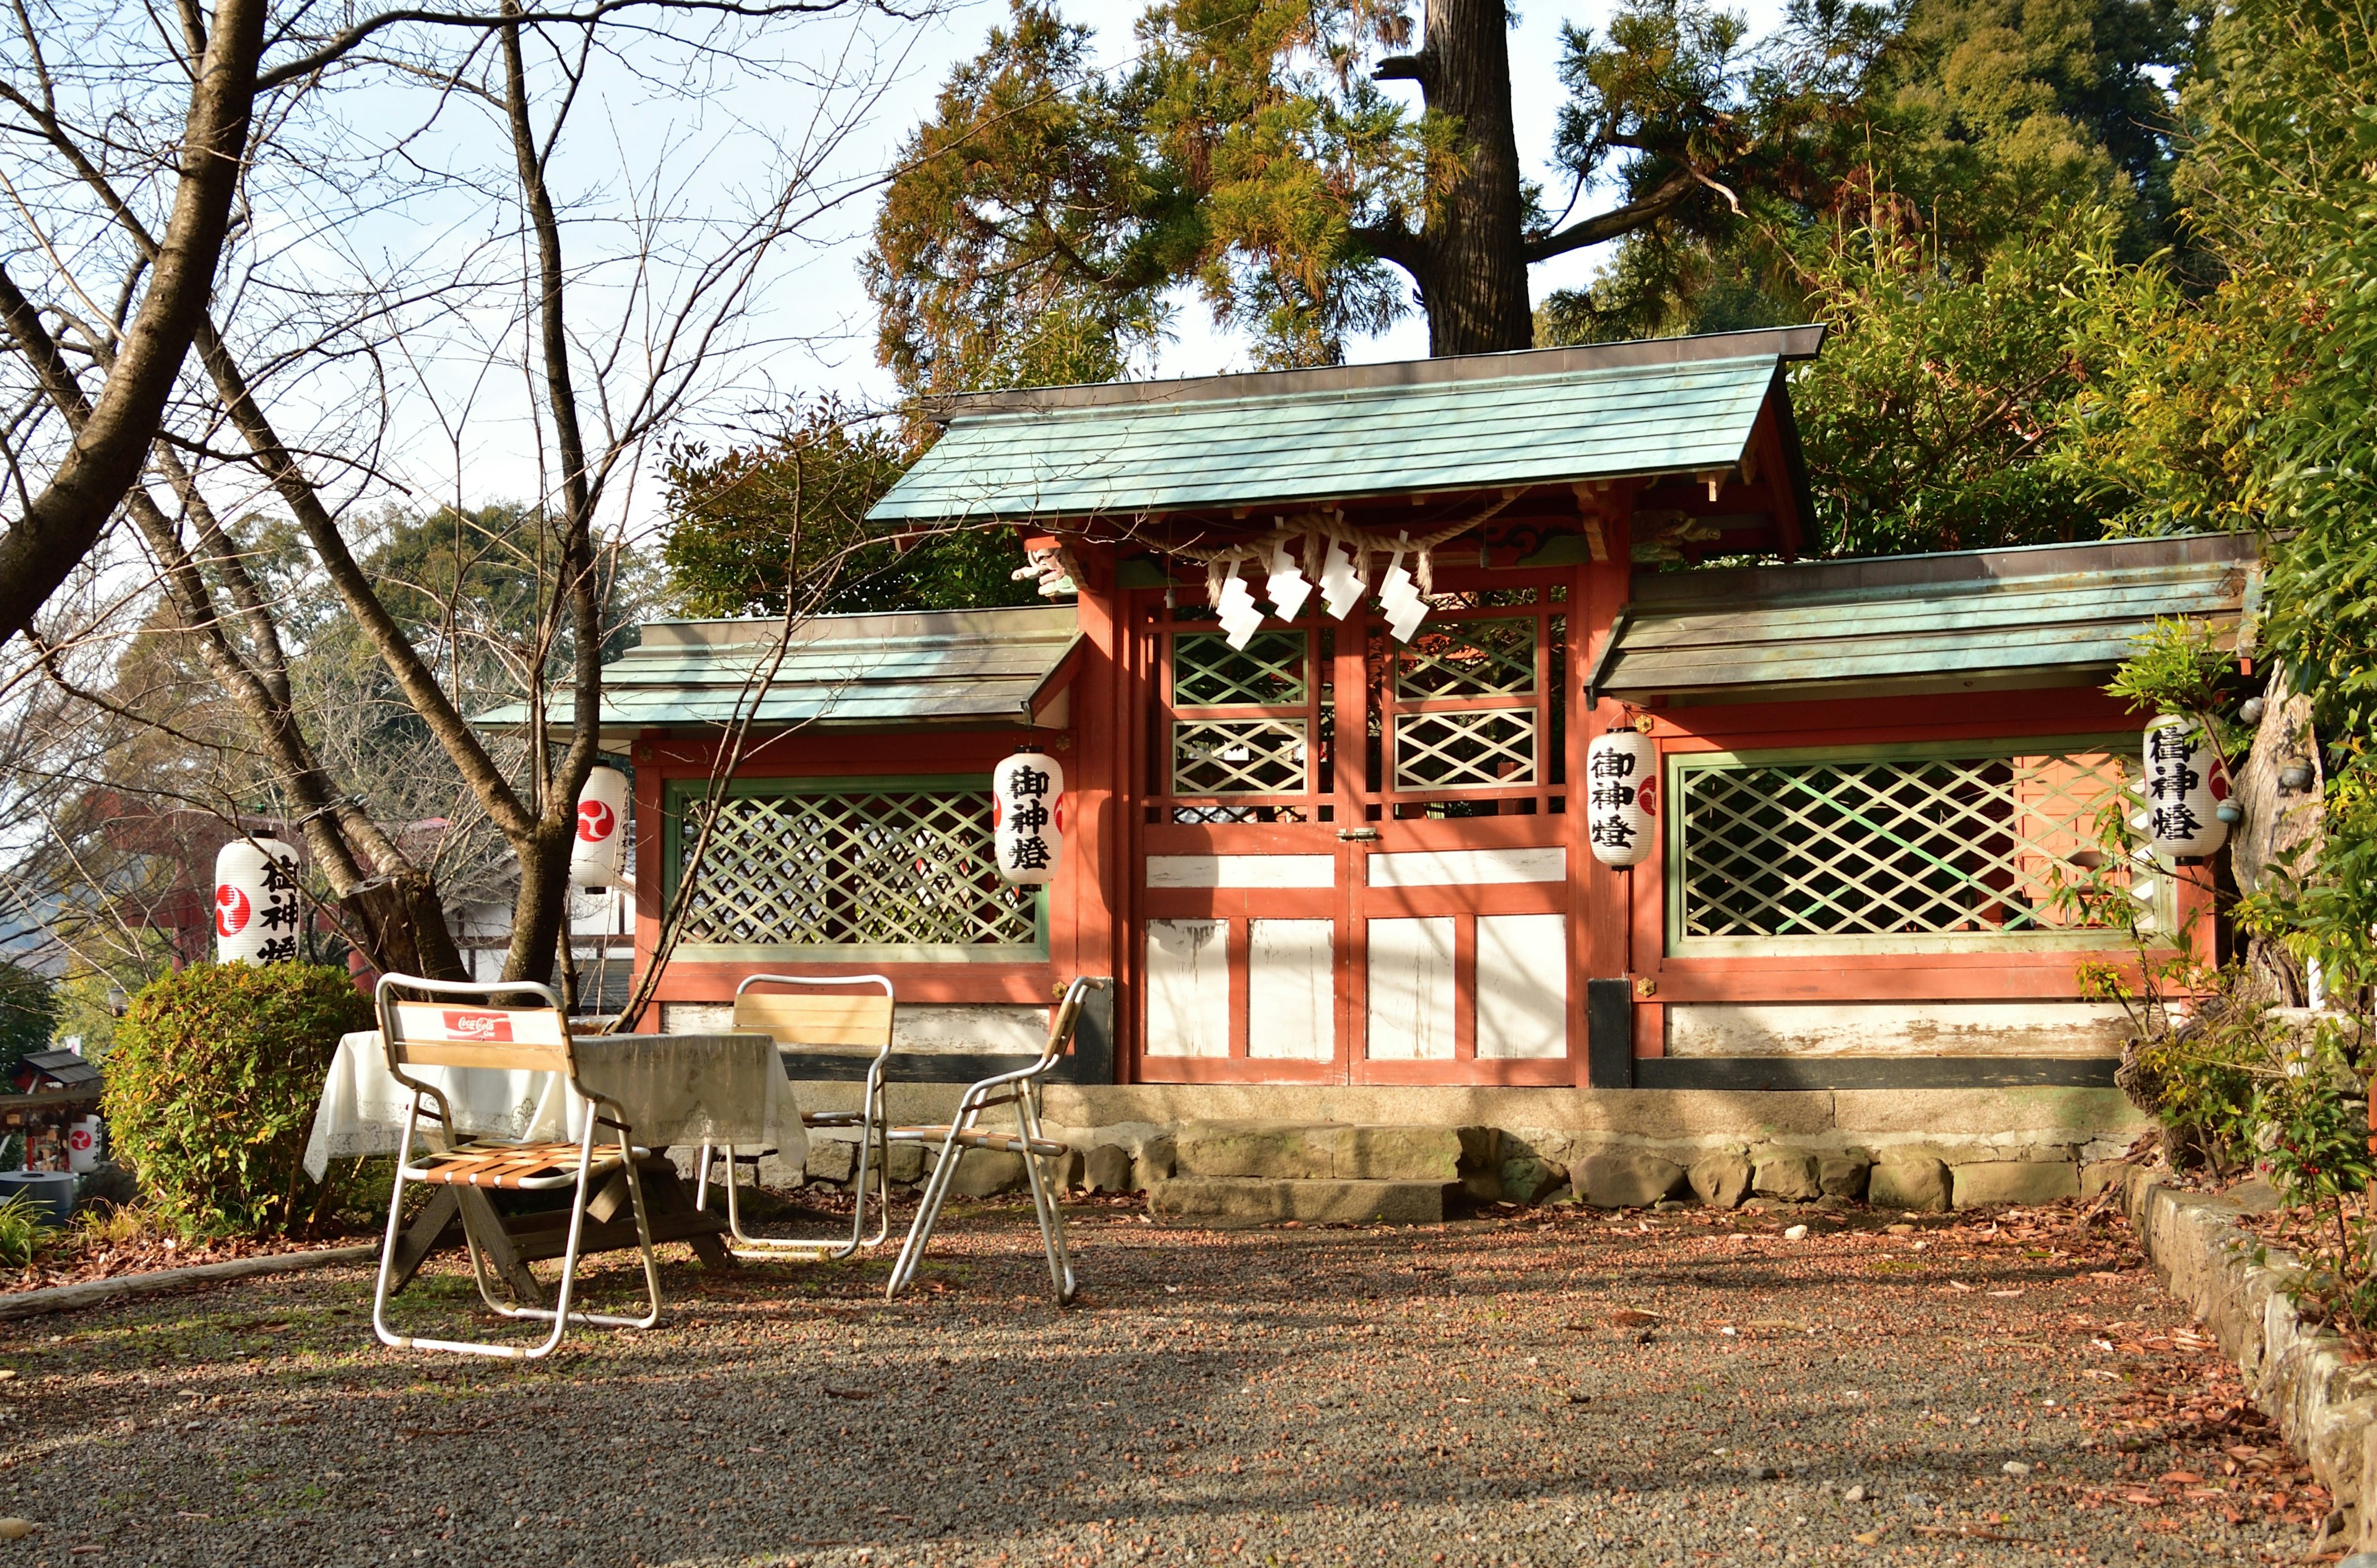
[
  {"x": 83, "y": 1149},
  {"x": 599, "y": 854},
  {"x": 1027, "y": 793},
  {"x": 2184, "y": 785},
  {"x": 1621, "y": 802},
  {"x": 259, "y": 910}
]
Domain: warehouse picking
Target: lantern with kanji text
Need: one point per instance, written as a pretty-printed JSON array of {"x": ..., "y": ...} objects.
[
  {"x": 2184, "y": 783},
  {"x": 1621, "y": 802},
  {"x": 259, "y": 910},
  {"x": 1027, "y": 793}
]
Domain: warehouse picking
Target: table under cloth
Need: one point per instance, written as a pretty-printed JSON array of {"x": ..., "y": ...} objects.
[{"x": 673, "y": 1089}]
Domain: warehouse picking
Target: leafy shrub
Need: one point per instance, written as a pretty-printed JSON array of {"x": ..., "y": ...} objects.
[{"x": 212, "y": 1088}]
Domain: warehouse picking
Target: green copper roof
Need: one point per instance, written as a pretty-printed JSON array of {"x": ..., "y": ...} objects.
[
  {"x": 923, "y": 667},
  {"x": 2051, "y": 615},
  {"x": 1680, "y": 405}
]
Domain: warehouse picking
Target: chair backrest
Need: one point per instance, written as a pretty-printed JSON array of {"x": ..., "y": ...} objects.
[
  {"x": 1066, "y": 1020},
  {"x": 460, "y": 1024},
  {"x": 798, "y": 1020}
]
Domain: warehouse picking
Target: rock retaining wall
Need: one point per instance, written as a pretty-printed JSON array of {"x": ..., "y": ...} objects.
[{"x": 2299, "y": 1373}]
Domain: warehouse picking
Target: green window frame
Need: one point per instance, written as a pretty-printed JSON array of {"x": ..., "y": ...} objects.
[
  {"x": 805, "y": 882},
  {"x": 1920, "y": 848}
]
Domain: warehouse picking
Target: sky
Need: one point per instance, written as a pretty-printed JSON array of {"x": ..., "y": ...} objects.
[
  {"x": 665, "y": 150},
  {"x": 834, "y": 300}
]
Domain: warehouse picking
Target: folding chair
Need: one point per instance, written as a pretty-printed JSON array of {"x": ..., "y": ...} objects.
[
  {"x": 531, "y": 1039},
  {"x": 829, "y": 1023},
  {"x": 1020, "y": 1089}
]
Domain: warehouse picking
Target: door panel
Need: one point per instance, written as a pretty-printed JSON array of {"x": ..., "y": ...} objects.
[
  {"x": 1291, "y": 990},
  {"x": 1411, "y": 1002},
  {"x": 1523, "y": 992},
  {"x": 1187, "y": 987}
]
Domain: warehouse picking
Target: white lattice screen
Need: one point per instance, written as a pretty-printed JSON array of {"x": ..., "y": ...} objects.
[
  {"x": 1881, "y": 847},
  {"x": 907, "y": 867}
]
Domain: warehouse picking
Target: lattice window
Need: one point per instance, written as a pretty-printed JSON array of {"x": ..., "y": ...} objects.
[
  {"x": 1871, "y": 851},
  {"x": 1476, "y": 658},
  {"x": 1239, "y": 757},
  {"x": 1466, "y": 749},
  {"x": 904, "y": 868},
  {"x": 1208, "y": 673}
]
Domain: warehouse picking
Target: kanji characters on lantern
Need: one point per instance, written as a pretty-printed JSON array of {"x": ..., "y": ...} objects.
[
  {"x": 259, "y": 910},
  {"x": 2185, "y": 782},
  {"x": 1028, "y": 816},
  {"x": 1621, "y": 779},
  {"x": 598, "y": 856}
]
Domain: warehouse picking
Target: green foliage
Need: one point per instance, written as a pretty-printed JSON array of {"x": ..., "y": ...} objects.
[
  {"x": 1932, "y": 420},
  {"x": 789, "y": 514},
  {"x": 212, "y": 1089},
  {"x": 25, "y": 1226},
  {"x": 2177, "y": 666},
  {"x": 29, "y": 1014}
]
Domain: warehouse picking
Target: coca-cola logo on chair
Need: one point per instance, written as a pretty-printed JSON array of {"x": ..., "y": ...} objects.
[{"x": 462, "y": 1025}]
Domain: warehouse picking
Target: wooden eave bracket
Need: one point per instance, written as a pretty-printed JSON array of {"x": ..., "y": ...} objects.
[{"x": 1592, "y": 496}]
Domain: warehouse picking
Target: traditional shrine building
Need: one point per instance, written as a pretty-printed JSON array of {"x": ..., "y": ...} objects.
[{"x": 1348, "y": 846}]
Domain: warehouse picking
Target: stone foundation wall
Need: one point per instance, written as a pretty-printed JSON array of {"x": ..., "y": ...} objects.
[{"x": 1912, "y": 1149}]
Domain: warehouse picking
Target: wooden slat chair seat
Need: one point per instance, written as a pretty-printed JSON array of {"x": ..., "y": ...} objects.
[
  {"x": 524, "y": 1167},
  {"x": 1020, "y": 1089},
  {"x": 455, "y": 1023},
  {"x": 802, "y": 1024}
]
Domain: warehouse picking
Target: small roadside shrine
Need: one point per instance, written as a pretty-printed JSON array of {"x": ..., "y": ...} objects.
[{"x": 1360, "y": 665}]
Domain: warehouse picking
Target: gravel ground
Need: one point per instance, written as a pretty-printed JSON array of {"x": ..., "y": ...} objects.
[{"x": 1548, "y": 1387}]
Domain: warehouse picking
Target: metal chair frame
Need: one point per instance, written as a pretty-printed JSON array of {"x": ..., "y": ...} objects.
[
  {"x": 1021, "y": 1089},
  {"x": 559, "y": 1315},
  {"x": 868, "y": 1120}
]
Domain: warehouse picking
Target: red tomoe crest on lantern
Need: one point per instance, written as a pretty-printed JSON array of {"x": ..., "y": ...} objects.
[
  {"x": 232, "y": 911},
  {"x": 599, "y": 858}
]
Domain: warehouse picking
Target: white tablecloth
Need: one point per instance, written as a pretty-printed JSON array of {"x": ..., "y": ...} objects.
[{"x": 675, "y": 1089}]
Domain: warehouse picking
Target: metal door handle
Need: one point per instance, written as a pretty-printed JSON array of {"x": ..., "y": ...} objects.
[{"x": 1359, "y": 835}]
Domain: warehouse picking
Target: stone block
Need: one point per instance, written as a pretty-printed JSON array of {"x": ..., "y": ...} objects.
[
  {"x": 1240, "y": 1200},
  {"x": 1281, "y": 1150},
  {"x": 1527, "y": 1178},
  {"x": 1397, "y": 1153},
  {"x": 1481, "y": 1147},
  {"x": 1844, "y": 1175},
  {"x": 1920, "y": 1184},
  {"x": 1748, "y": 1115},
  {"x": 1720, "y": 1179},
  {"x": 831, "y": 1159},
  {"x": 1063, "y": 1172},
  {"x": 1791, "y": 1175},
  {"x": 982, "y": 1173},
  {"x": 1106, "y": 1168},
  {"x": 1627, "y": 1180},
  {"x": 2014, "y": 1181},
  {"x": 2077, "y": 1113},
  {"x": 1154, "y": 1162},
  {"x": 2098, "y": 1175},
  {"x": 905, "y": 1163}
]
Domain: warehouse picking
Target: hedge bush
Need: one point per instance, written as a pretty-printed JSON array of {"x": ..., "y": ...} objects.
[{"x": 211, "y": 1087}]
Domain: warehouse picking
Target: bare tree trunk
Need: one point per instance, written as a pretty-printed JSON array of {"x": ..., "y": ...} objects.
[
  {"x": 541, "y": 912},
  {"x": 63, "y": 523}
]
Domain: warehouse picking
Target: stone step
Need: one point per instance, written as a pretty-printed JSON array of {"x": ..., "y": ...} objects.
[
  {"x": 1326, "y": 1151},
  {"x": 1252, "y": 1200}
]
